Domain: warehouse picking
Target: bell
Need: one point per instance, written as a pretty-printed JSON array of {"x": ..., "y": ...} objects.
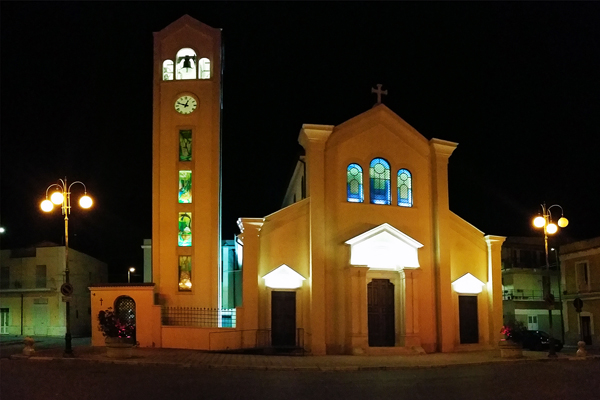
[{"x": 187, "y": 63}]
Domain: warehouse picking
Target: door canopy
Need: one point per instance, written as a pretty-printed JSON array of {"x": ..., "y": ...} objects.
[
  {"x": 384, "y": 247},
  {"x": 283, "y": 277}
]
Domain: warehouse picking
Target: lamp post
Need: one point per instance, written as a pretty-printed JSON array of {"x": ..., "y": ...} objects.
[
  {"x": 562, "y": 319},
  {"x": 62, "y": 196},
  {"x": 545, "y": 221},
  {"x": 129, "y": 272}
]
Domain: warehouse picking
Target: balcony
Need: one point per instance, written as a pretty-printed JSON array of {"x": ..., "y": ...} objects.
[
  {"x": 519, "y": 294},
  {"x": 27, "y": 285}
]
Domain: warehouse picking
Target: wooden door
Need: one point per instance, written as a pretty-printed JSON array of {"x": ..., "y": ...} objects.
[
  {"x": 381, "y": 318},
  {"x": 469, "y": 324},
  {"x": 283, "y": 319},
  {"x": 586, "y": 330}
]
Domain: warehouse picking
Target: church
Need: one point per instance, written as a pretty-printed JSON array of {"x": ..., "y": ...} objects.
[{"x": 364, "y": 258}]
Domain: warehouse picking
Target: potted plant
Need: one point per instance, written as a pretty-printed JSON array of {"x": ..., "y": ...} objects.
[{"x": 118, "y": 334}]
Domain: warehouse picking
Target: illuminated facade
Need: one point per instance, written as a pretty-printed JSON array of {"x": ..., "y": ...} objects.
[
  {"x": 360, "y": 260},
  {"x": 386, "y": 267}
]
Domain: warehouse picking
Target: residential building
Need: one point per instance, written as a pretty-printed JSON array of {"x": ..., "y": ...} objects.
[
  {"x": 580, "y": 276},
  {"x": 523, "y": 274},
  {"x": 30, "y": 299}
]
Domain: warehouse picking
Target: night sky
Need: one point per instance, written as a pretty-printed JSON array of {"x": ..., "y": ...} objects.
[{"x": 516, "y": 85}]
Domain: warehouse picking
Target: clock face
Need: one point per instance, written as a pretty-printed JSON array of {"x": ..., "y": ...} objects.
[{"x": 185, "y": 104}]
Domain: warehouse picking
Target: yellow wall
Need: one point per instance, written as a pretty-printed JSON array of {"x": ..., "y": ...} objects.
[{"x": 148, "y": 321}]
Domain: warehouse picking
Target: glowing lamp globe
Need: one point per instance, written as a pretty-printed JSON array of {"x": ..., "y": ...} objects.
[
  {"x": 85, "y": 201},
  {"x": 539, "y": 221},
  {"x": 551, "y": 228},
  {"x": 57, "y": 198},
  {"x": 47, "y": 205},
  {"x": 562, "y": 222}
]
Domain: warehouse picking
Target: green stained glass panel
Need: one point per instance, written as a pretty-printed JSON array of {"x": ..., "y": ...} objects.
[
  {"x": 185, "y": 273},
  {"x": 185, "y": 186},
  {"x": 185, "y": 145},
  {"x": 184, "y": 237}
]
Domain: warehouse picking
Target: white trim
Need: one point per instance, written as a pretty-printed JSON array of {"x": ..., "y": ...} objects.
[{"x": 535, "y": 311}]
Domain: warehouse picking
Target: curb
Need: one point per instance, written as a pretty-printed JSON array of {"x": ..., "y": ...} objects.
[{"x": 322, "y": 368}]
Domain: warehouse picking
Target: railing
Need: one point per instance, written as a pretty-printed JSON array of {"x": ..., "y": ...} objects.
[
  {"x": 199, "y": 317},
  {"x": 525, "y": 295}
]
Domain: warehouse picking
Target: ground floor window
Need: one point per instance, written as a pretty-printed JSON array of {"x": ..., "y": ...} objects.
[{"x": 3, "y": 321}]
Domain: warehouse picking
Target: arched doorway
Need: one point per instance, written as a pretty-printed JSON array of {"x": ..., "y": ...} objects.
[{"x": 125, "y": 310}]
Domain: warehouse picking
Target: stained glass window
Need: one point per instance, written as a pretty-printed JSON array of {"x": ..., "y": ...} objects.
[
  {"x": 380, "y": 191},
  {"x": 185, "y": 186},
  {"x": 168, "y": 70},
  {"x": 354, "y": 180},
  {"x": 204, "y": 68},
  {"x": 185, "y": 273},
  {"x": 185, "y": 229},
  {"x": 405, "y": 198},
  {"x": 185, "y": 145},
  {"x": 186, "y": 64}
]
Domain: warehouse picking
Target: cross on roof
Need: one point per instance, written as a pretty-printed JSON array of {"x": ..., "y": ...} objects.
[{"x": 379, "y": 92}]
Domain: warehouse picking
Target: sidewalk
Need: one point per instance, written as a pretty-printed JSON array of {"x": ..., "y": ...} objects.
[{"x": 201, "y": 359}]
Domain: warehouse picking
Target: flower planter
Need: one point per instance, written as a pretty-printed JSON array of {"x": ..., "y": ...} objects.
[
  {"x": 510, "y": 349},
  {"x": 118, "y": 347}
]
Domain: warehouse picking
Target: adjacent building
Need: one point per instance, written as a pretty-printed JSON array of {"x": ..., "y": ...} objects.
[
  {"x": 30, "y": 298},
  {"x": 524, "y": 271},
  {"x": 580, "y": 276}
]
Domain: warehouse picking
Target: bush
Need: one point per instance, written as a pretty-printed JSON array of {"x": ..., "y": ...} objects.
[
  {"x": 111, "y": 326},
  {"x": 514, "y": 330}
]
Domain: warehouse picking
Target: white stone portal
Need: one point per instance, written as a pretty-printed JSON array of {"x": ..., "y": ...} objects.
[{"x": 384, "y": 248}]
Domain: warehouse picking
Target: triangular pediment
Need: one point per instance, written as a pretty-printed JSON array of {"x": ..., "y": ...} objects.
[
  {"x": 188, "y": 21},
  {"x": 283, "y": 277},
  {"x": 384, "y": 247},
  {"x": 379, "y": 117}
]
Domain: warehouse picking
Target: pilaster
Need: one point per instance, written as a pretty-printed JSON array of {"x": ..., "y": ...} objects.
[
  {"x": 313, "y": 139},
  {"x": 250, "y": 232},
  {"x": 446, "y": 329},
  {"x": 410, "y": 286},
  {"x": 494, "y": 286},
  {"x": 358, "y": 329}
]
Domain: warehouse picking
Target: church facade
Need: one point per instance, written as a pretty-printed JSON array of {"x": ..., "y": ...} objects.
[{"x": 365, "y": 257}]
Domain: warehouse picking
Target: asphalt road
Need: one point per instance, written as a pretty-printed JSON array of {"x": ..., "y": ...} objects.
[{"x": 76, "y": 379}]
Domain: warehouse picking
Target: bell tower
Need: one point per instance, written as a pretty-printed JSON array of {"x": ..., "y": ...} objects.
[{"x": 186, "y": 163}]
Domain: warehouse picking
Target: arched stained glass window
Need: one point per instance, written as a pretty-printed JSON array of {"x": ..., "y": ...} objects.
[
  {"x": 379, "y": 173},
  {"x": 168, "y": 70},
  {"x": 186, "y": 64},
  {"x": 204, "y": 68},
  {"x": 405, "y": 197},
  {"x": 354, "y": 180}
]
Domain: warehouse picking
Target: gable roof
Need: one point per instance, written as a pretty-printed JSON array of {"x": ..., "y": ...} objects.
[{"x": 383, "y": 116}]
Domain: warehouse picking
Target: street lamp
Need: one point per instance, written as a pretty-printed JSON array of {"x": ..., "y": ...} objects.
[
  {"x": 61, "y": 195},
  {"x": 545, "y": 221},
  {"x": 129, "y": 272}
]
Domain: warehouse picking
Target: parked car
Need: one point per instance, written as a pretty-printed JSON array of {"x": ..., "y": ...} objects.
[{"x": 539, "y": 340}]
